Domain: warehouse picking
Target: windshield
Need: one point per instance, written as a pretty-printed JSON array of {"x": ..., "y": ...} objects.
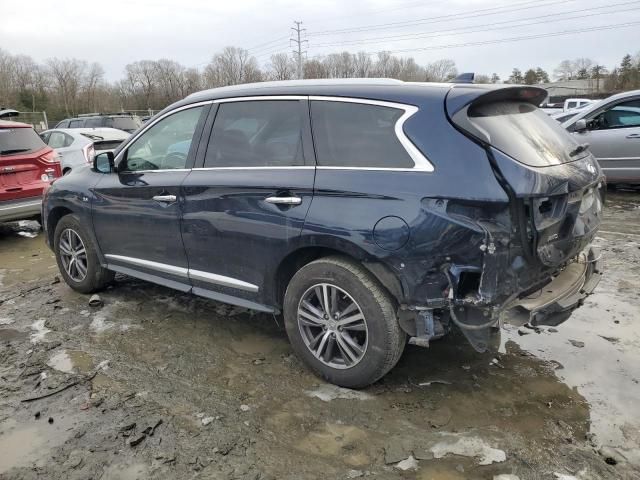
[
  {"x": 14, "y": 141},
  {"x": 525, "y": 133},
  {"x": 128, "y": 124}
]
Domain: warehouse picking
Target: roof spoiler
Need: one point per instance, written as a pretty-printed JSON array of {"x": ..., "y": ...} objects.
[
  {"x": 464, "y": 78},
  {"x": 463, "y": 96}
]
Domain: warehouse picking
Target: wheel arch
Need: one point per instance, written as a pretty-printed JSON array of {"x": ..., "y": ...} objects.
[
  {"x": 52, "y": 219},
  {"x": 303, "y": 255}
]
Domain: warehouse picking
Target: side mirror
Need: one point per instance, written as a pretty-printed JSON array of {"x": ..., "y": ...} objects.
[
  {"x": 104, "y": 162},
  {"x": 581, "y": 125}
]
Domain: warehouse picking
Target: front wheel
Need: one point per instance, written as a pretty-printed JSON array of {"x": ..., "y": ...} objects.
[
  {"x": 77, "y": 258},
  {"x": 342, "y": 322}
]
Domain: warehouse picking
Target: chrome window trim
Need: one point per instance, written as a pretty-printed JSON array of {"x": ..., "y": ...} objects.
[
  {"x": 292, "y": 167},
  {"x": 187, "y": 273},
  {"x": 421, "y": 163},
  {"x": 261, "y": 98}
]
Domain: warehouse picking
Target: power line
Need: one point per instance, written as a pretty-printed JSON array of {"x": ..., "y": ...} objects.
[
  {"x": 481, "y": 28},
  {"x": 443, "y": 18},
  {"x": 258, "y": 47},
  {"x": 514, "y": 39},
  {"x": 299, "y": 42}
]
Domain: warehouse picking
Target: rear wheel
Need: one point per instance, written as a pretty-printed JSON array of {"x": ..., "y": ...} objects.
[
  {"x": 342, "y": 322},
  {"x": 77, "y": 258}
]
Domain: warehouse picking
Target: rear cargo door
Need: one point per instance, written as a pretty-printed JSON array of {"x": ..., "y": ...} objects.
[
  {"x": 553, "y": 180},
  {"x": 21, "y": 166}
]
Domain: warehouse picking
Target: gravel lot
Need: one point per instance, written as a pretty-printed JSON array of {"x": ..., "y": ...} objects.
[{"x": 158, "y": 384}]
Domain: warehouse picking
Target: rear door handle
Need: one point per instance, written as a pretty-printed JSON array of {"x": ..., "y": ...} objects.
[
  {"x": 633, "y": 135},
  {"x": 284, "y": 200},
  {"x": 165, "y": 198}
]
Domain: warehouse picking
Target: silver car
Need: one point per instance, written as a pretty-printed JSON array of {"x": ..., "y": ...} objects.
[
  {"x": 78, "y": 146},
  {"x": 612, "y": 130}
]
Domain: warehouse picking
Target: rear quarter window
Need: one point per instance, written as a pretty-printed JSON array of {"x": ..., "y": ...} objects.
[
  {"x": 357, "y": 135},
  {"x": 524, "y": 132},
  {"x": 15, "y": 141}
]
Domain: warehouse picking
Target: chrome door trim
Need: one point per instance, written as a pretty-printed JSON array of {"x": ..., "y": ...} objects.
[
  {"x": 283, "y": 200},
  {"x": 222, "y": 280},
  {"x": 161, "y": 267},
  {"x": 420, "y": 161},
  {"x": 186, "y": 273}
]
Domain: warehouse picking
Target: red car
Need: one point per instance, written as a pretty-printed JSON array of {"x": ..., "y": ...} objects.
[{"x": 27, "y": 166}]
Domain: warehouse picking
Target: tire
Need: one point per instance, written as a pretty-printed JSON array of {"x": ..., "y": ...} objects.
[
  {"x": 95, "y": 277},
  {"x": 380, "y": 339}
]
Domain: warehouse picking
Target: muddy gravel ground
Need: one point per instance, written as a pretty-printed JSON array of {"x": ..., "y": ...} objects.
[{"x": 158, "y": 384}]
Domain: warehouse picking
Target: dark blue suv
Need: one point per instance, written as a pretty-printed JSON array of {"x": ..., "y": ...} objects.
[{"x": 368, "y": 212}]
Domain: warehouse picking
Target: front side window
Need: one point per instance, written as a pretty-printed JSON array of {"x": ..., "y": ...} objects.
[
  {"x": 620, "y": 115},
  {"x": 166, "y": 144},
  {"x": 263, "y": 133},
  {"x": 357, "y": 135}
]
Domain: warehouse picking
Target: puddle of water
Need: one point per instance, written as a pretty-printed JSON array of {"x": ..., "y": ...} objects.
[
  {"x": 253, "y": 344},
  {"x": 333, "y": 440},
  {"x": 10, "y": 334},
  {"x": 31, "y": 443},
  {"x": 70, "y": 361}
]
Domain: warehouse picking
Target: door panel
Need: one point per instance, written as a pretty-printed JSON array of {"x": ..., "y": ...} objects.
[
  {"x": 136, "y": 212},
  {"x": 245, "y": 209}
]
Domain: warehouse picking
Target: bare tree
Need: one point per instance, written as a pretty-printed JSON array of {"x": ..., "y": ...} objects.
[
  {"x": 281, "y": 67},
  {"x": 440, "y": 70},
  {"x": 566, "y": 70},
  {"x": 232, "y": 66},
  {"x": 67, "y": 75},
  {"x": 362, "y": 65},
  {"x": 315, "y": 68}
]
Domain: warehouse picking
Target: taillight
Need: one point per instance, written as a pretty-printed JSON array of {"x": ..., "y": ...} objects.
[
  {"x": 89, "y": 152},
  {"x": 50, "y": 157}
]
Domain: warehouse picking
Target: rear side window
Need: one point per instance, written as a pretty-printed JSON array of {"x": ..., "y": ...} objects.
[
  {"x": 14, "y": 141},
  {"x": 76, "y": 123},
  {"x": 261, "y": 133},
  {"x": 59, "y": 140},
  {"x": 524, "y": 132},
  {"x": 357, "y": 135},
  {"x": 93, "y": 122},
  {"x": 63, "y": 124},
  {"x": 128, "y": 124}
]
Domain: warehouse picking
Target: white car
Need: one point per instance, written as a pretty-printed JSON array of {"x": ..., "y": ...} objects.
[{"x": 78, "y": 146}]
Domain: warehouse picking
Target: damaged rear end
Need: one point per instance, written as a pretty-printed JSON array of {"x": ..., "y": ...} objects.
[{"x": 534, "y": 259}]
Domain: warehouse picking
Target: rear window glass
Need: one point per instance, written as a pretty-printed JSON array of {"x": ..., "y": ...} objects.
[
  {"x": 123, "y": 123},
  {"x": 524, "y": 132},
  {"x": 14, "y": 141},
  {"x": 357, "y": 135},
  {"x": 93, "y": 122}
]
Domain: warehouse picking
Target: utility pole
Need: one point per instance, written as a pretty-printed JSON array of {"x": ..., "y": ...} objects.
[{"x": 298, "y": 51}]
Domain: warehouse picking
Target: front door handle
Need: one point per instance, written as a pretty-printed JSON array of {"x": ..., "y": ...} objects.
[
  {"x": 284, "y": 200},
  {"x": 633, "y": 135},
  {"x": 165, "y": 198}
]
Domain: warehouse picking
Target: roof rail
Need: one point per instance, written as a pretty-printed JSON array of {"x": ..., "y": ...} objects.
[{"x": 89, "y": 114}]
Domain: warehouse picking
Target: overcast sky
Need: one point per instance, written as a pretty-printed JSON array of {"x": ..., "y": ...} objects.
[{"x": 118, "y": 32}]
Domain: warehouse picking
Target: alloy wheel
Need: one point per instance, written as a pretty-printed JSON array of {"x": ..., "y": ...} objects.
[
  {"x": 332, "y": 326},
  {"x": 73, "y": 255}
]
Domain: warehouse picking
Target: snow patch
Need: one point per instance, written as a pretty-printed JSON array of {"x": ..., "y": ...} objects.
[
  {"x": 408, "y": 464},
  {"x": 469, "y": 447},
  {"x": 327, "y": 392},
  {"x": 39, "y": 330}
]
